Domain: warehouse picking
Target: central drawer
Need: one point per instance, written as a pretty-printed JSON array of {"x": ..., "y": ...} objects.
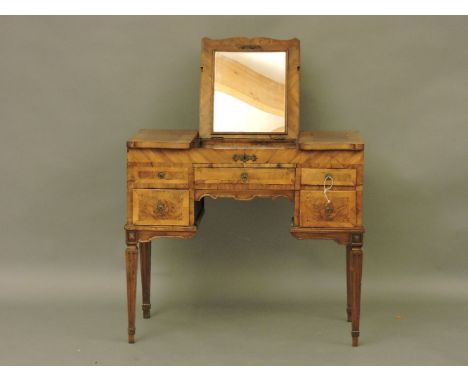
[{"x": 251, "y": 176}]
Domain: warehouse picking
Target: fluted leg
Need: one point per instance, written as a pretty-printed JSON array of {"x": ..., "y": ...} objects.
[
  {"x": 356, "y": 272},
  {"x": 348, "y": 283},
  {"x": 131, "y": 262},
  {"x": 145, "y": 266}
]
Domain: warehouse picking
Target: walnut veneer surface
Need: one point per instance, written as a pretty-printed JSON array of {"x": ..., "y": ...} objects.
[{"x": 170, "y": 172}]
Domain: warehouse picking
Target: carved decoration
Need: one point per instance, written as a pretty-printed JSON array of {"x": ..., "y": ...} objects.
[
  {"x": 245, "y": 196},
  {"x": 131, "y": 237},
  {"x": 356, "y": 238}
]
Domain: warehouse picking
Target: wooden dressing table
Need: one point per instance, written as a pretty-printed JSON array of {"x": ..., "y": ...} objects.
[{"x": 170, "y": 172}]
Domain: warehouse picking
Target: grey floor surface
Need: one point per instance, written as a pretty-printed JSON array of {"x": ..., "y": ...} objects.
[{"x": 79, "y": 318}]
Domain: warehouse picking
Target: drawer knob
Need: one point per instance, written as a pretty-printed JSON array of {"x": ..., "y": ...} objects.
[
  {"x": 161, "y": 208},
  {"x": 244, "y": 177},
  {"x": 161, "y": 175}
]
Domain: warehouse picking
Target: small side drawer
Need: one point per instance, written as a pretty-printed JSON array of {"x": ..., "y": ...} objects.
[
  {"x": 316, "y": 212},
  {"x": 316, "y": 176},
  {"x": 243, "y": 175},
  {"x": 161, "y": 207},
  {"x": 160, "y": 177}
]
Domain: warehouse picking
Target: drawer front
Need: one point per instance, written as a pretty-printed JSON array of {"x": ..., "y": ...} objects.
[
  {"x": 161, "y": 207},
  {"x": 316, "y": 176},
  {"x": 160, "y": 177},
  {"x": 341, "y": 212},
  {"x": 242, "y": 175}
]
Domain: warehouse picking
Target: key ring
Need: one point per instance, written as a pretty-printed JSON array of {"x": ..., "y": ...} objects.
[{"x": 326, "y": 187}]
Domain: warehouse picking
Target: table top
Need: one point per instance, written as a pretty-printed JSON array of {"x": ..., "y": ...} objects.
[
  {"x": 308, "y": 140},
  {"x": 330, "y": 140},
  {"x": 168, "y": 139}
]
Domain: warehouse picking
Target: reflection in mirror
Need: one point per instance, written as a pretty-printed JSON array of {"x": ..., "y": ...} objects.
[{"x": 249, "y": 92}]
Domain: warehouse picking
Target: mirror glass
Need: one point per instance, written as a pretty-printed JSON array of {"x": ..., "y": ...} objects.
[{"x": 249, "y": 92}]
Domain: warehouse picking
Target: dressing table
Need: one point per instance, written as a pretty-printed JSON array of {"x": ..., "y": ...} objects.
[{"x": 248, "y": 145}]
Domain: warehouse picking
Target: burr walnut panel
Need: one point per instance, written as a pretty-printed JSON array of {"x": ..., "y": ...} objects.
[
  {"x": 161, "y": 207},
  {"x": 316, "y": 212}
]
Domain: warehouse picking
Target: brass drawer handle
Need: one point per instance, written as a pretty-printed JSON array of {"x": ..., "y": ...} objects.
[
  {"x": 161, "y": 175},
  {"x": 244, "y": 177},
  {"x": 244, "y": 157},
  {"x": 161, "y": 208}
]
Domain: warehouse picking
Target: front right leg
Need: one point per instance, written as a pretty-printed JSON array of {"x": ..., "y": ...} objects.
[{"x": 356, "y": 276}]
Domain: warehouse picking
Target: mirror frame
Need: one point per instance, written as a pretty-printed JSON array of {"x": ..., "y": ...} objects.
[{"x": 242, "y": 44}]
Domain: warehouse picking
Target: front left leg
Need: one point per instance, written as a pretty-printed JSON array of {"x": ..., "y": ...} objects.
[{"x": 131, "y": 262}]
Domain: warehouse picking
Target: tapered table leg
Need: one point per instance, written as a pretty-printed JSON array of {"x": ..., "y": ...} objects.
[
  {"x": 131, "y": 262},
  {"x": 348, "y": 283},
  {"x": 356, "y": 272},
  {"x": 145, "y": 266}
]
